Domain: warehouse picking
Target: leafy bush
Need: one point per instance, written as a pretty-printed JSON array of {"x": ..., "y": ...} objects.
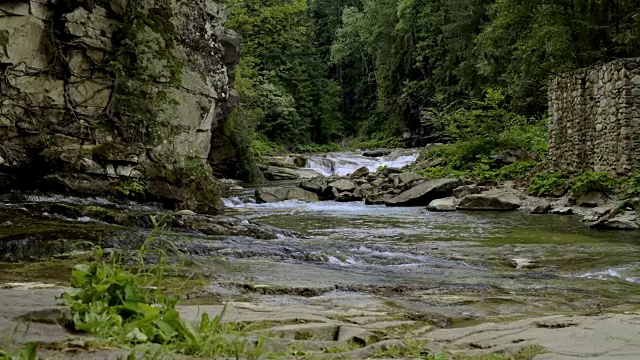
[
  {"x": 29, "y": 352},
  {"x": 631, "y": 187},
  {"x": 547, "y": 184},
  {"x": 132, "y": 187},
  {"x": 517, "y": 170},
  {"x": 593, "y": 181}
]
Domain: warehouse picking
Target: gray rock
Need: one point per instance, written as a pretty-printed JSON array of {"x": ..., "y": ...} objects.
[
  {"x": 591, "y": 200},
  {"x": 426, "y": 192},
  {"x": 542, "y": 208},
  {"x": 275, "y": 173},
  {"x": 563, "y": 210},
  {"x": 377, "y": 182},
  {"x": 386, "y": 171},
  {"x": 343, "y": 185},
  {"x": 490, "y": 202},
  {"x": 314, "y": 185},
  {"x": 344, "y": 197},
  {"x": 361, "y": 172},
  {"x": 465, "y": 190},
  {"x": 442, "y": 205},
  {"x": 625, "y": 221},
  {"x": 362, "y": 191},
  {"x": 376, "y": 199},
  {"x": 276, "y": 194}
]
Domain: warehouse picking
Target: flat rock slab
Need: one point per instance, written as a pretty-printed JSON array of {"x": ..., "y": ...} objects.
[{"x": 564, "y": 337}]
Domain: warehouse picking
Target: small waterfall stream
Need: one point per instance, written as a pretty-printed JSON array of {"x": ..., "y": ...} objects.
[{"x": 345, "y": 163}]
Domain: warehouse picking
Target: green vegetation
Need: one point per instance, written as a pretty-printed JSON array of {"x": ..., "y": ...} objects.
[
  {"x": 29, "y": 352},
  {"x": 133, "y": 187},
  {"x": 549, "y": 184},
  {"x": 593, "y": 181},
  {"x": 631, "y": 187}
]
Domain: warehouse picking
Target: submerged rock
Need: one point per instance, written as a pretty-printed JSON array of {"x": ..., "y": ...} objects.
[
  {"x": 496, "y": 202},
  {"x": 426, "y": 192},
  {"x": 442, "y": 205}
]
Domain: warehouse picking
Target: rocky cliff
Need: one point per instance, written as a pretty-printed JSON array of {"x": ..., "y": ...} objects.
[{"x": 114, "y": 96}]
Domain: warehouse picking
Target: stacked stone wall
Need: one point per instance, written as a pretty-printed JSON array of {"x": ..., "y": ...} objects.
[{"x": 594, "y": 122}]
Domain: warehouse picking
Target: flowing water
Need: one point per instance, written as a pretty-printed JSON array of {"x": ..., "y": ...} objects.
[
  {"x": 459, "y": 265},
  {"x": 344, "y": 163}
]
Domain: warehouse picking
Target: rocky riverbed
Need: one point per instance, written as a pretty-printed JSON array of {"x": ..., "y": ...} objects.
[{"x": 322, "y": 278}]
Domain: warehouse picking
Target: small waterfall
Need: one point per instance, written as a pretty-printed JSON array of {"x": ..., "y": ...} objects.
[
  {"x": 343, "y": 164},
  {"x": 322, "y": 165}
]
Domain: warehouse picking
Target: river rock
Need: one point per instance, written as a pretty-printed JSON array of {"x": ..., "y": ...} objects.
[
  {"x": 361, "y": 172},
  {"x": 541, "y": 208},
  {"x": 523, "y": 263},
  {"x": 465, "y": 190},
  {"x": 362, "y": 191},
  {"x": 275, "y": 173},
  {"x": 313, "y": 185},
  {"x": 591, "y": 200},
  {"x": 376, "y": 199},
  {"x": 442, "y": 205},
  {"x": 625, "y": 221},
  {"x": 344, "y": 197},
  {"x": 498, "y": 202},
  {"x": 386, "y": 171},
  {"x": 426, "y": 192},
  {"x": 343, "y": 185},
  {"x": 563, "y": 210},
  {"x": 276, "y": 194}
]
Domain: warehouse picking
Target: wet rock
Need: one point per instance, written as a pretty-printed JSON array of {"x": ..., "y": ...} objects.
[
  {"x": 300, "y": 161},
  {"x": 186, "y": 212},
  {"x": 276, "y": 194},
  {"x": 541, "y": 208},
  {"x": 376, "y": 199},
  {"x": 79, "y": 183},
  {"x": 591, "y": 200},
  {"x": 361, "y": 172},
  {"x": 386, "y": 171},
  {"x": 426, "y": 192},
  {"x": 491, "y": 202},
  {"x": 564, "y": 210},
  {"x": 275, "y": 173},
  {"x": 442, "y": 205},
  {"x": 625, "y": 221},
  {"x": 363, "y": 190},
  {"x": 344, "y": 197},
  {"x": 465, "y": 190},
  {"x": 376, "y": 153},
  {"x": 313, "y": 185},
  {"x": 343, "y": 185}
]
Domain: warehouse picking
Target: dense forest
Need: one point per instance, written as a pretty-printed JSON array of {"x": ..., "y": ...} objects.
[{"x": 319, "y": 72}]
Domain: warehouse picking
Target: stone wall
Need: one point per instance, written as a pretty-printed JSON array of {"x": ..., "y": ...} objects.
[
  {"x": 594, "y": 120},
  {"x": 75, "y": 115}
]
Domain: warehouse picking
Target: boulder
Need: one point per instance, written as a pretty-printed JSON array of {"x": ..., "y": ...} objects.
[
  {"x": 344, "y": 197},
  {"x": 591, "y": 200},
  {"x": 442, "y": 205},
  {"x": 343, "y": 185},
  {"x": 280, "y": 193},
  {"x": 625, "y": 221},
  {"x": 362, "y": 191},
  {"x": 386, "y": 171},
  {"x": 361, "y": 172},
  {"x": 425, "y": 193},
  {"x": 275, "y": 173},
  {"x": 563, "y": 210},
  {"x": 313, "y": 185},
  {"x": 376, "y": 199},
  {"x": 466, "y": 190},
  {"x": 541, "y": 208},
  {"x": 491, "y": 202}
]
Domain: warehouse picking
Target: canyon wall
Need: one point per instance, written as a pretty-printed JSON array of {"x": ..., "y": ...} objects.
[{"x": 114, "y": 97}]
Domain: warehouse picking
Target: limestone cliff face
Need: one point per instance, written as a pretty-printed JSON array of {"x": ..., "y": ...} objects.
[{"x": 104, "y": 96}]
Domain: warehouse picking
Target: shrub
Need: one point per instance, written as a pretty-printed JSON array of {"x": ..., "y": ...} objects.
[
  {"x": 517, "y": 170},
  {"x": 593, "y": 181},
  {"x": 631, "y": 187},
  {"x": 29, "y": 352},
  {"x": 133, "y": 187},
  {"x": 547, "y": 184}
]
